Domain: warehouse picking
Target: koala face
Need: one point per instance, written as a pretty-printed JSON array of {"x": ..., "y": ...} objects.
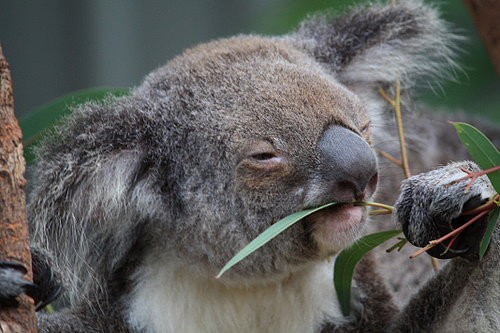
[{"x": 270, "y": 133}]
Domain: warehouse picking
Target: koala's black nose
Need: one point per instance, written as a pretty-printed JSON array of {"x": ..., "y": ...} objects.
[{"x": 348, "y": 163}]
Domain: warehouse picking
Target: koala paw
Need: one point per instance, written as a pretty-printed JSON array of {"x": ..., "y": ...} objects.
[
  {"x": 430, "y": 206},
  {"x": 45, "y": 278},
  {"x": 45, "y": 288},
  {"x": 12, "y": 284}
]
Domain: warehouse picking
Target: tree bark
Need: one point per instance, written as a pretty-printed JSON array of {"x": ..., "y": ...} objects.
[
  {"x": 486, "y": 17},
  {"x": 14, "y": 235}
]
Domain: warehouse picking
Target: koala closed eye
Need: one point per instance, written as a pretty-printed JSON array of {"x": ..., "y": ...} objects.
[
  {"x": 263, "y": 156},
  {"x": 267, "y": 157}
]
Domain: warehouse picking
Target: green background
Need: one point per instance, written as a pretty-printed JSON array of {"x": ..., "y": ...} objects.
[{"x": 59, "y": 46}]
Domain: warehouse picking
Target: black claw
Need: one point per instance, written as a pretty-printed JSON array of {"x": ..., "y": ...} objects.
[
  {"x": 13, "y": 265},
  {"x": 50, "y": 287},
  {"x": 46, "y": 289},
  {"x": 50, "y": 298}
]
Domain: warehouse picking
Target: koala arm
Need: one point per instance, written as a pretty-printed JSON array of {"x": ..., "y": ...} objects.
[{"x": 465, "y": 295}]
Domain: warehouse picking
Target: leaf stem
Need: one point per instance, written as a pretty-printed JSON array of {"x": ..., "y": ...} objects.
[{"x": 388, "y": 208}]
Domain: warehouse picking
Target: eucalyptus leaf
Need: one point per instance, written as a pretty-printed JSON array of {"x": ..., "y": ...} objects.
[
  {"x": 492, "y": 222},
  {"x": 269, "y": 234},
  {"x": 37, "y": 122},
  {"x": 346, "y": 262},
  {"x": 487, "y": 156},
  {"x": 481, "y": 149}
]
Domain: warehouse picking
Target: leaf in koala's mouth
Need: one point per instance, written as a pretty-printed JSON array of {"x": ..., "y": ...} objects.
[{"x": 269, "y": 234}]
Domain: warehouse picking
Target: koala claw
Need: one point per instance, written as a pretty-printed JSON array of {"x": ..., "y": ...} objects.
[
  {"x": 45, "y": 289},
  {"x": 13, "y": 284},
  {"x": 431, "y": 204},
  {"x": 51, "y": 290}
]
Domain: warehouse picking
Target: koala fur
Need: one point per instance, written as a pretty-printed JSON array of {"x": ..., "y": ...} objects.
[{"x": 143, "y": 198}]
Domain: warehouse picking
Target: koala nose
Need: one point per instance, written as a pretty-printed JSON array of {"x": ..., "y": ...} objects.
[{"x": 349, "y": 163}]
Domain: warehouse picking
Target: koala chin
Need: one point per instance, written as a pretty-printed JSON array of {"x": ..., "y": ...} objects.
[{"x": 142, "y": 199}]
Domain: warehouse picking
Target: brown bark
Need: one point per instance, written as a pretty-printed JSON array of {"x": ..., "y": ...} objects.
[
  {"x": 486, "y": 17},
  {"x": 14, "y": 236}
]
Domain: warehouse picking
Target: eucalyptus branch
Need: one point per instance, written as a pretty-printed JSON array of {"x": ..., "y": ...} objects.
[
  {"x": 399, "y": 124},
  {"x": 473, "y": 176},
  {"x": 396, "y": 104},
  {"x": 453, "y": 234}
]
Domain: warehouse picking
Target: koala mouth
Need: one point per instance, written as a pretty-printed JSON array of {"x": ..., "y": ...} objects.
[{"x": 336, "y": 227}]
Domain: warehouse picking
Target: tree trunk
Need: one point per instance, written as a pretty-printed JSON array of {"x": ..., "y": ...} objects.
[
  {"x": 486, "y": 17},
  {"x": 14, "y": 235}
]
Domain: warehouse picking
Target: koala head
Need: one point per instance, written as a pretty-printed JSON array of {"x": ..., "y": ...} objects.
[
  {"x": 232, "y": 136},
  {"x": 266, "y": 132}
]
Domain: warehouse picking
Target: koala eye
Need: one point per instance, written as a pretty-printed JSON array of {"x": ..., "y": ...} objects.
[
  {"x": 267, "y": 160},
  {"x": 262, "y": 157}
]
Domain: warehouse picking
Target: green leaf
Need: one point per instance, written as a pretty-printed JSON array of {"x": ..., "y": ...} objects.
[
  {"x": 481, "y": 149},
  {"x": 36, "y": 123},
  {"x": 348, "y": 259},
  {"x": 492, "y": 221},
  {"x": 269, "y": 234}
]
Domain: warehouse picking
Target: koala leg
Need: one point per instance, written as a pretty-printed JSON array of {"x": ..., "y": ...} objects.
[{"x": 465, "y": 295}]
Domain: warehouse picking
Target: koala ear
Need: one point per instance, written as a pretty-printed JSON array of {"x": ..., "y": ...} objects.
[{"x": 380, "y": 43}]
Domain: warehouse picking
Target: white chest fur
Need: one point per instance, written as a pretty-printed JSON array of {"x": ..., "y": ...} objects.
[{"x": 167, "y": 299}]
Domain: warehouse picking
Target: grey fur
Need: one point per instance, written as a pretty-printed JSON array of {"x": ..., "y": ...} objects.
[{"x": 228, "y": 138}]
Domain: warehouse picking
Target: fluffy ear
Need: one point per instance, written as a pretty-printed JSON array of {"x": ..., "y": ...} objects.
[{"x": 380, "y": 43}]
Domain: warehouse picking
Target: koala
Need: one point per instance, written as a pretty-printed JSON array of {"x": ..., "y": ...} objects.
[{"x": 142, "y": 199}]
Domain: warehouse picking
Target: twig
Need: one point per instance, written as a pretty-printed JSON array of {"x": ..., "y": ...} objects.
[
  {"x": 451, "y": 243},
  {"x": 399, "y": 125},
  {"x": 390, "y": 157},
  {"x": 473, "y": 176},
  {"x": 492, "y": 203},
  {"x": 457, "y": 231},
  {"x": 386, "y": 97}
]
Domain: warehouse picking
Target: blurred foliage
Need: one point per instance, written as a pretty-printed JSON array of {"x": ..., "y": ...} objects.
[
  {"x": 475, "y": 90},
  {"x": 36, "y": 124}
]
